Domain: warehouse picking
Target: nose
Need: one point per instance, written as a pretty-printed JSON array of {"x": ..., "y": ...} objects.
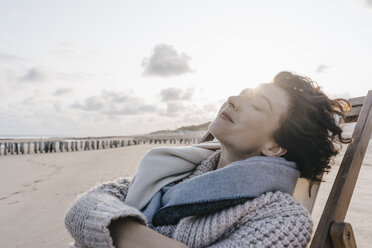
[{"x": 233, "y": 102}]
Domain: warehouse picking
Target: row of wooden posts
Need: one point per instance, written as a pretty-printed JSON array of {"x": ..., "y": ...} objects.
[{"x": 34, "y": 147}]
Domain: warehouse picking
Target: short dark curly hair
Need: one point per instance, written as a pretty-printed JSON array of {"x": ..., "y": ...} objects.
[{"x": 310, "y": 128}]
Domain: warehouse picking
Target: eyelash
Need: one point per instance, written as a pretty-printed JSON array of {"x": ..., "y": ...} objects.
[{"x": 256, "y": 108}]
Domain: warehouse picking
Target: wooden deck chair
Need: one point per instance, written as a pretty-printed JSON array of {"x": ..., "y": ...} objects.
[{"x": 332, "y": 231}]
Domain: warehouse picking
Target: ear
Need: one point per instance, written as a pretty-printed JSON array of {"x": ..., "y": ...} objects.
[{"x": 272, "y": 149}]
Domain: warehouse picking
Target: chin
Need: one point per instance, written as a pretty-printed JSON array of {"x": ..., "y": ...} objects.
[{"x": 215, "y": 130}]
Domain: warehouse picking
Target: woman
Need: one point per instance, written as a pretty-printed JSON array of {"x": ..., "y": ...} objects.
[{"x": 233, "y": 194}]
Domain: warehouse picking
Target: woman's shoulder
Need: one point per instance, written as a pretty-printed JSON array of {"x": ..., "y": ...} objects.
[
  {"x": 274, "y": 218},
  {"x": 279, "y": 211},
  {"x": 276, "y": 204}
]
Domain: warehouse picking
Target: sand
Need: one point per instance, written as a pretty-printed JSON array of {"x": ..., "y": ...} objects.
[{"x": 36, "y": 191}]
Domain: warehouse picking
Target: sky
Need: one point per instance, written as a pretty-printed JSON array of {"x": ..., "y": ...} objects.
[{"x": 97, "y": 68}]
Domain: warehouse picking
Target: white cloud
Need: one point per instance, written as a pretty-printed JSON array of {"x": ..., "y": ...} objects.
[
  {"x": 321, "y": 68},
  {"x": 191, "y": 114},
  {"x": 345, "y": 95},
  {"x": 115, "y": 103},
  {"x": 10, "y": 57},
  {"x": 68, "y": 50},
  {"x": 30, "y": 101},
  {"x": 176, "y": 94},
  {"x": 62, "y": 91},
  {"x": 188, "y": 94},
  {"x": 166, "y": 61},
  {"x": 93, "y": 103},
  {"x": 35, "y": 74},
  {"x": 116, "y": 97},
  {"x": 58, "y": 107},
  {"x": 211, "y": 107},
  {"x": 14, "y": 68},
  {"x": 173, "y": 109},
  {"x": 37, "y": 116},
  {"x": 366, "y": 3},
  {"x": 129, "y": 109},
  {"x": 195, "y": 115}
]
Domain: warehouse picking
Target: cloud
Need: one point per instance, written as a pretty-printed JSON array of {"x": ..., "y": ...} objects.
[
  {"x": 188, "y": 94},
  {"x": 30, "y": 101},
  {"x": 321, "y": 68},
  {"x": 345, "y": 95},
  {"x": 58, "y": 107},
  {"x": 114, "y": 104},
  {"x": 72, "y": 51},
  {"x": 93, "y": 103},
  {"x": 35, "y": 74},
  {"x": 12, "y": 69},
  {"x": 130, "y": 109},
  {"x": 165, "y": 62},
  {"x": 173, "y": 109},
  {"x": 176, "y": 94},
  {"x": 122, "y": 103},
  {"x": 190, "y": 111},
  {"x": 115, "y": 97},
  {"x": 62, "y": 91},
  {"x": 15, "y": 59},
  {"x": 9, "y": 57},
  {"x": 39, "y": 74},
  {"x": 366, "y": 3},
  {"x": 211, "y": 107}
]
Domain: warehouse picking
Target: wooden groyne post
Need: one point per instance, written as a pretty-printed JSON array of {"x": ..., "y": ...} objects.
[{"x": 14, "y": 147}]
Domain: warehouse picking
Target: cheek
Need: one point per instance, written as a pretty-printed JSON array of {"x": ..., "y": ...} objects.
[
  {"x": 254, "y": 123},
  {"x": 256, "y": 130},
  {"x": 251, "y": 138},
  {"x": 216, "y": 128},
  {"x": 247, "y": 141}
]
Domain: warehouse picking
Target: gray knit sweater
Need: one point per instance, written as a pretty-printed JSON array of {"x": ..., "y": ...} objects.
[{"x": 271, "y": 220}]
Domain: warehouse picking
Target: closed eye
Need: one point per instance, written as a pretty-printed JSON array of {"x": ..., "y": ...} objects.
[
  {"x": 266, "y": 101},
  {"x": 256, "y": 107},
  {"x": 260, "y": 104}
]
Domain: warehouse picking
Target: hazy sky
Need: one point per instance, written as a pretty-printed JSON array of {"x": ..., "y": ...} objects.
[{"x": 98, "y": 67}]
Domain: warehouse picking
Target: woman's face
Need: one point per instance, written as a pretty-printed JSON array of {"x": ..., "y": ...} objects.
[{"x": 246, "y": 122}]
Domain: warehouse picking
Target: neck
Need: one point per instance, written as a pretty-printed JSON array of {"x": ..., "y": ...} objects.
[{"x": 229, "y": 155}]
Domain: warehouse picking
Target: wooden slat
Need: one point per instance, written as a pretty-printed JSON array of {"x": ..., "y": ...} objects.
[
  {"x": 301, "y": 193},
  {"x": 352, "y": 115},
  {"x": 357, "y": 101},
  {"x": 356, "y": 104},
  {"x": 207, "y": 137},
  {"x": 343, "y": 187}
]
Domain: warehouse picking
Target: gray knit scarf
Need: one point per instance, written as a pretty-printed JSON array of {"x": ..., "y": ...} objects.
[{"x": 216, "y": 190}]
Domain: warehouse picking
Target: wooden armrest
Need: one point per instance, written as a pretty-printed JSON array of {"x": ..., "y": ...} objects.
[{"x": 342, "y": 235}]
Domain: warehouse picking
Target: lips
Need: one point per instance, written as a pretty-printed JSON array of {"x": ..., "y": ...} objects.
[{"x": 226, "y": 116}]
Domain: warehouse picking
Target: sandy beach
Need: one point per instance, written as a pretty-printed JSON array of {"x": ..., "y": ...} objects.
[{"x": 36, "y": 190}]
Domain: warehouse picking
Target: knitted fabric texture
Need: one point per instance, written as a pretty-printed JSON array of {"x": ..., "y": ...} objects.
[
  {"x": 162, "y": 166},
  {"x": 271, "y": 220},
  {"x": 220, "y": 189}
]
